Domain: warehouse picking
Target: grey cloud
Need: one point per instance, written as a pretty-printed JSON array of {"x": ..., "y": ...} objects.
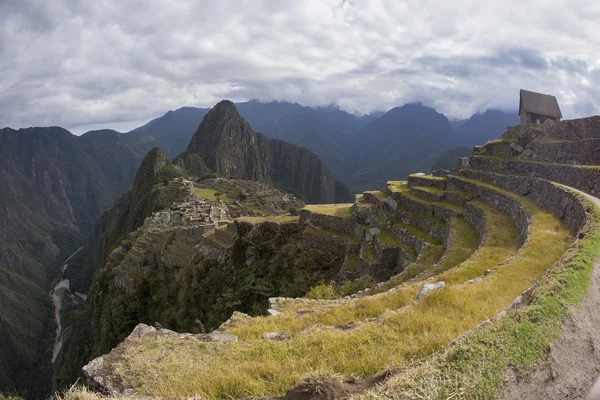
[{"x": 76, "y": 62}]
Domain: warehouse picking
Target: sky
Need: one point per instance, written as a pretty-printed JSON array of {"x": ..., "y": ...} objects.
[{"x": 117, "y": 64}]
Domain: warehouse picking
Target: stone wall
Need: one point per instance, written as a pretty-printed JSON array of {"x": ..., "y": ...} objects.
[
  {"x": 413, "y": 205},
  {"x": 586, "y": 179},
  {"x": 444, "y": 213},
  {"x": 409, "y": 239},
  {"x": 266, "y": 230},
  {"x": 575, "y": 129},
  {"x": 561, "y": 202},
  {"x": 476, "y": 217},
  {"x": 331, "y": 222},
  {"x": 417, "y": 180},
  {"x": 498, "y": 200},
  {"x": 583, "y": 152}
]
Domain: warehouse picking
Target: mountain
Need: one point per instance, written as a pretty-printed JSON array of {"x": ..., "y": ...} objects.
[
  {"x": 230, "y": 148},
  {"x": 173, "y": 131},
  {"x": 483, "y": 127},
  {"x": 54, "y": 187},
  {"x": 328, "y": 132},
  {"x": 403, "y": 140}
]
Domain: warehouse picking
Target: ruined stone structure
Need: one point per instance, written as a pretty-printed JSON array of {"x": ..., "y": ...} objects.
[{"x": 537, "y": 107}]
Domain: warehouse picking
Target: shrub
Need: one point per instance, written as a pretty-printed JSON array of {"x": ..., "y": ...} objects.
[{"x": 322, "y": 292}]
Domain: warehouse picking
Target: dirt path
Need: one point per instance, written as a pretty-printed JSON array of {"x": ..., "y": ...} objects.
[{"x": 573, "y": 363}]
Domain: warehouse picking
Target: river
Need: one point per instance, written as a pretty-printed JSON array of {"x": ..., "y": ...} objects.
[{"x": 57, "y": 295}]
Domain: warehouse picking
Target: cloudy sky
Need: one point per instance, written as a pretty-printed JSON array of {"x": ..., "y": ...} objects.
[{"x": 120, "y": 63}]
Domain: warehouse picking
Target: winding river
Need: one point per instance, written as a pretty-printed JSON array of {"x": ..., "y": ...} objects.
[{"x": 57, "y": 294}]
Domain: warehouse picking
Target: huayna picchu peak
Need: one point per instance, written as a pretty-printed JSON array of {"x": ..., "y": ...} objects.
[{"x": 227, "y": 146}]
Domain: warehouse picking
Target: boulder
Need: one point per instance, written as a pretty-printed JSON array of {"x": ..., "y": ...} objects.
[
  {"x": 140, "y": 331},
  {"x": 276, "y": 336},
  {"x": 428, "y": 288},
  {"x": 217, "y": 336},
  {"x": 441, "y": 173}
]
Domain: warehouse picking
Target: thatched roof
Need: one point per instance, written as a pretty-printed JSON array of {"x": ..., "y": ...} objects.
[{"x": 537, "y": 103}]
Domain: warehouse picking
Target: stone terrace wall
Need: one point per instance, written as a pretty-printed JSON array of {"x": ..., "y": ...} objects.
[
  {"x": 586, "y": 179},
  {"x": 331, "y": 222},
  {"x": 561, "y": 202},
  {"x": 574, "y": 129},
  {"x": 498, "y": 200},
  {"x": 476, "y": 217},
  {"x": 583, "y": 152}
]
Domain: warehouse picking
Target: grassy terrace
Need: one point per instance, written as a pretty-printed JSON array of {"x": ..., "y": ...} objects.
[
  {"x": 415, "y": 231},
  {"x": 277, "y": 219},
  {"x": 322, "y": 231},
  {"x": 368, "y": 254},
  {"x": 519, "y": 160},
  {"x": 475, "y": 367},
  {"x": 388, "y": 240},
  {"x": 379, "y": 194},
  {"x": 339, "y": 210},
  {"x": 258, "y": 368},
  {"x": 402, "y": 187},
  {"x": 210, "y": 194}
]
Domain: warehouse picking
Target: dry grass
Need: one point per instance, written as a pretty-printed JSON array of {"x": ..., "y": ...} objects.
[
  {"x": 169, "y": 367},
  {"x": 339, "y": 210}
]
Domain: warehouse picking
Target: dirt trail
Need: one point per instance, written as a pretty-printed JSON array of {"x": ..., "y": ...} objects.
[{"x": 573, "y": 363}]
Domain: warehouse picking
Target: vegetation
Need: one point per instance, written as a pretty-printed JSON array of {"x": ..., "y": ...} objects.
[
  {"x": 330, "y": 291},
  {"x": 211, "y": 194},
  {"x": 339, "y": 210},
  {"x": 238, "y": 369}
]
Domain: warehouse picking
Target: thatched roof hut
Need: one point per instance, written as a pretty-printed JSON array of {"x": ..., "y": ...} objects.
[{"x": 534, "y": 107}]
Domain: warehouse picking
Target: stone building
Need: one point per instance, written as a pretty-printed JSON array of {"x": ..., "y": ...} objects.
[{"x": 536, "y": 108}]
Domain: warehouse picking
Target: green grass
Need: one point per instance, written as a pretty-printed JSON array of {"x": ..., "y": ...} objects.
[
  {"x": 253, "y": 367},
  {"x": 388, "y": 240},
  {"x": 210, "y": 194},
  {"x": 351, "y": 263},
  {"x": 379, "y": 194},
  {"x": 368, "y": 254},
  {"x": 429, "y": 189},
  {"x": 339, "y": 210},
  {"x": 455, "y": 207}
]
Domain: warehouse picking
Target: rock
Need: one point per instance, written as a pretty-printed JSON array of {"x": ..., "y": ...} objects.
[
  {"x": 487, "y": 272},
  {"x": 527, "y": 153},
  {"x": 474, "y": 280},
  {"x": 517, "y": 147},
  {"x": 301, "y": 311},
  {"x": 273, "y": 312},
  {"x": 140, "y": 331},
  {"x": 276, "y": 336},
  {"x": 419, "y": 174},
  {"x": 217, "y": 336},
  {"x": 393, "y": 204},
  {"x": 430, "y": 287},
  {"x": 441, "y": 172},
  {"x": 129, "y": 392}
]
